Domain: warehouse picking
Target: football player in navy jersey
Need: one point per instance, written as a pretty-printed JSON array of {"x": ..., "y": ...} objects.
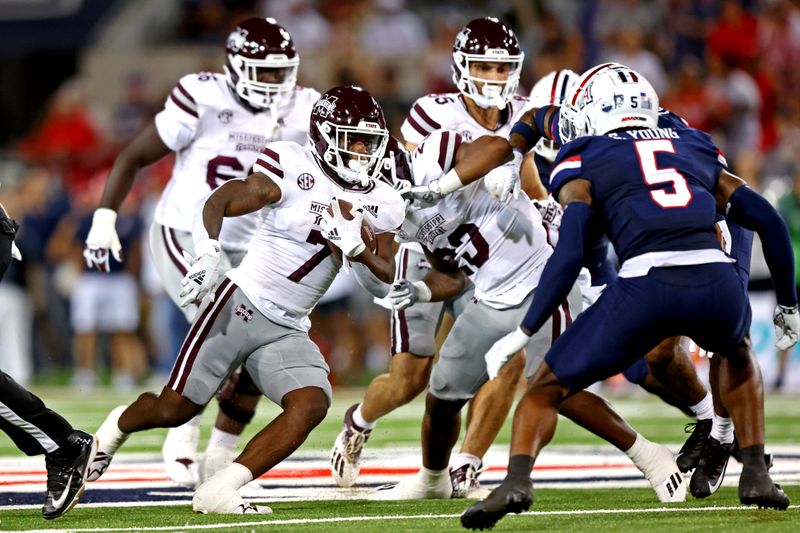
[{"x": 656, "y": 191}]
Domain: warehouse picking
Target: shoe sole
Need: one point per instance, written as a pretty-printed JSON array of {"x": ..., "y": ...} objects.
[
  {"x": 74, "y": 501},
  {"x": 482, "y": 519}
]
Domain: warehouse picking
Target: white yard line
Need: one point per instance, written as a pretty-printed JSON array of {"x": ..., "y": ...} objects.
[{"x": 292, "y": 521}]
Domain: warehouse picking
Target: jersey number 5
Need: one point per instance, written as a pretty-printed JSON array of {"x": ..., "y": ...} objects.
[{"x": 680, "y": 195}]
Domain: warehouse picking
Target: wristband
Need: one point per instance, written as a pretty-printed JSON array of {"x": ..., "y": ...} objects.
[
  {"x": 423, "y": 291},
  {"x": 527, "y": 133},
  {"x": 450, "y": 182}
]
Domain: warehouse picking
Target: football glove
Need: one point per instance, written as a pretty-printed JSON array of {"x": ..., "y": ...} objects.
[
  {"x": 404, "y": 294},
  {"x": 344, "y": 234},
  {"x": 203, "y": 273},
  {"x": 787, "y": 326},
  {"x": 101, "y": 240},
  {"x": 15, "y": 253},
  {"x": 504, "y": 182},
  {"x": 502, "y": 351},
  {"x": 551, "y": 212},
  {"x": 425, "y": 195}
]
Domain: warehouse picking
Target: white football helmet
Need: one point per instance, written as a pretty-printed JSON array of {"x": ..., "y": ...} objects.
[
  {"x": 605, "y": 98},
  {"x": 551, "y": 89}
]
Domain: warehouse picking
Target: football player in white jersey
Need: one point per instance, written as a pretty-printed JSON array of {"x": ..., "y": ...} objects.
[
  {"x": 217, "y": 125},
  {"x": 502, "y": 248},
  {"x": 258, "y": 316},
  {"x": 487, "y": 61}
]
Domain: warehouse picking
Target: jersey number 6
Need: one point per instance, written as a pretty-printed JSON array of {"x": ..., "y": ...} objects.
[{"x": 680, "y": 195}]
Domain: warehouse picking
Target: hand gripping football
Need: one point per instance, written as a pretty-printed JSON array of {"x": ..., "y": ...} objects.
[{"x": 367, "y": 231}]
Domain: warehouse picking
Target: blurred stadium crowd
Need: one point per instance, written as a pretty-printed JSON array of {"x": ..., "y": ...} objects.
[{"x": 726, "y": 66}]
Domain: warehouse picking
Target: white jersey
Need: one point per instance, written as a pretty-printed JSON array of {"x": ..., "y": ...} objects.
[
  {"x": 448, "y": 112},
  {"x": 288, "y": 266},
  {"x": 502, "y": 247},
  {"x": 215, "y": 139}
]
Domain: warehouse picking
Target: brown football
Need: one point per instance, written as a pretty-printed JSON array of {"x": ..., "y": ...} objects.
[{"x": 367, "y": 231}]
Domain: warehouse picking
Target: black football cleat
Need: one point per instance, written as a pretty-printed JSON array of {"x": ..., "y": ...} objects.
[
  {"x": 66, "y": 473},
  {"x": 756, "y": 488},
  {"x": 692, "y": 450},
  {"x": 514, "y": 495},
  {"x": 710, "y": 472}
]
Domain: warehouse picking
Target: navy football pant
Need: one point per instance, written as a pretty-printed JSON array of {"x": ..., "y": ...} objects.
[{"x": 705, "y": 303}]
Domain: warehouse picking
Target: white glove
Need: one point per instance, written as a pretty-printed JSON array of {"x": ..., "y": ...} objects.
[
  {"x": 502, "y": 350},
  {"x": 551, "y": 212},
  {"x": 102, "y": 238},
  {"x": 404, "y": 294},
  {"x": 426, "y": 195},
  {"x": 503, "y": 181},
  {"x": 203, "y": 274},
  {"x": 787, "y": 326},
  {"x": 344, "y": 234},
  {"x": 15, "y": 254}
]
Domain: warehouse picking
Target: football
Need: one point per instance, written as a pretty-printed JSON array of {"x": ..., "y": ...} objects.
[{"x": 367, "y": 231}]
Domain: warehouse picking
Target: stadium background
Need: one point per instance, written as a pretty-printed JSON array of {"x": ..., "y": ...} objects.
[{"x": 80, "y": 77}]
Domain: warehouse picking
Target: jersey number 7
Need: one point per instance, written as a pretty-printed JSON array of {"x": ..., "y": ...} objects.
[{"x": 680, "y": 195}]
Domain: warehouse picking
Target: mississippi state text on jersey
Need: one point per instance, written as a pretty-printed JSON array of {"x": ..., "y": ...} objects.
[
  {"x": 288, "y": 266},
  {"x": 469, "y": 226},
  {"x": 216, "y": 139}
]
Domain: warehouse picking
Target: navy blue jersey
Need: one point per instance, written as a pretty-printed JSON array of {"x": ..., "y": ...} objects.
[{"x": 653, "y": 188}]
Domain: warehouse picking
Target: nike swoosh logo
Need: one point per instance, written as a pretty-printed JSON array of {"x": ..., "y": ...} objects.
[
  {"x": 59, "y": 503},
  {"x": 714, "y": 486}
]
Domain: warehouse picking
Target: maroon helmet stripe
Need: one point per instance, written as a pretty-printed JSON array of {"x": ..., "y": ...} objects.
[
  {"x": 182, "y": 105},
  {"x": 194, "y": 341},
  {"x": 186, "y": 93},
  {"x": 424, "y": 116},
  {"x": 414, "y": 124},
  {"x": 174, "y": 250},
  {"x": 586, "y": 80}
]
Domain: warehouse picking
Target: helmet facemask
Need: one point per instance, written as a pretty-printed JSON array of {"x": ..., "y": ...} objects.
[
  {"x": 354, "y": 166},
  {"x": 493, "y": 93},
  {"x": 243, "y": 73}
]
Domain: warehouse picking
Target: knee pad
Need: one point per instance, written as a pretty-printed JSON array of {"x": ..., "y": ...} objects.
[{"x": 236, "y": 413}]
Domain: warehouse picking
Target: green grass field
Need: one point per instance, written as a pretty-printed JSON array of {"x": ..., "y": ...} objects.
[{"x": 600, "y": 509}]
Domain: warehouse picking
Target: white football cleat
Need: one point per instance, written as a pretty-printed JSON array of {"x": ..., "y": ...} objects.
[
  {"x": 215, "y": 459},
  {"x": 217, "y": 497},
  {"x": 109, "y": 438},
  {"x": 421, "y": 486},
  {"x": 179, "y": 453},
  {"x": 465, "y": 482},
  {"x": 664, "y": 475},
  {"x": 346, "y": 452}
]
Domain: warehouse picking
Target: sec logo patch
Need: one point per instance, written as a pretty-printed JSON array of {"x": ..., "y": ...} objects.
[{"x": 305, "y": 181}]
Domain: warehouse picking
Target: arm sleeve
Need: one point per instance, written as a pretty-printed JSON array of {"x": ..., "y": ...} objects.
[
  {"x": 562, "y": 268},
  {"x": 419, "y": 123},
  {"x": 752, "y": 211}
]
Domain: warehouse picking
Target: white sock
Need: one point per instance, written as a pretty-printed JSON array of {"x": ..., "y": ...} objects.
[
  {"x": 358, "y": 418},
  {"x": 641, "y": 451},
  {"x": 704, "y": 409},
  {"x": 235, "y": 475},
  {"x": 722, "y": 429},
  {"x": 432, "y": 476},
  {"x": 462, "y": 459},
  {"x": 223, "y": 439}
]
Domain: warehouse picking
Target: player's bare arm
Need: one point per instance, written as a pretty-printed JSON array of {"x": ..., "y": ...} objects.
[
  {"x": 474, "y": 160},
  {"x": 444, "y": 279},
  {"x": 380, "y": 262},
  {"x": 538, "y": 124},
  {"x": 575, "y": 191},
  {"x": 145, "y": 149},
  {"x": 236, "y": 198}
]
